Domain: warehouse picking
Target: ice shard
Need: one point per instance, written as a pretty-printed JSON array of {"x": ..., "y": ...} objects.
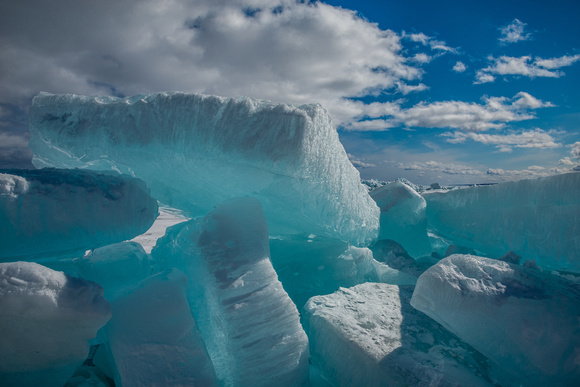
[
  {"x": 522, "y": 318},
  {"x": 403, "y": 217},
  {"x": 538, "y": 219},
  {"x": 250, "y": 326},
  {"x": 369, "y": 335},
  {"x": 153, "y": 338},
  {"x": 196, "y": 151},
  {"x": 46, "y": 323},
  {"x": 49, "y": 211}
]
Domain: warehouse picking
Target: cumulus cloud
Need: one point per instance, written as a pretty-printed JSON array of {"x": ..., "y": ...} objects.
[
  {"x": 524, "y": 66},
  {"x": 575, "y": 152},
  {"x": 538, "y": 138},
  {"x": 493, "y": 113},
  {"x": 514, "y": 32},
  {"x": 281, "y": 50},
  {"x": 459, "y": 67},
  {"x": 359, "y": 163},
  {"x": 434, "y": 44},
  {"x": 435, "y": 166}
]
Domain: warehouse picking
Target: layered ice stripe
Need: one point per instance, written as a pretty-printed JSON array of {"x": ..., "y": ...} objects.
[
  {"x": 538, "y": 219},
  {"x": 250, "y": 326},
  {"x": 196, "y": 151},
  {"x": 47, "y": 319},
  {"x": 524, "y": 319},
  {"x": 47, "y": 211}
]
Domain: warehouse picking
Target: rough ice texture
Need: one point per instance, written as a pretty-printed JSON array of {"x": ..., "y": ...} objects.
[
  {"x": 195, "y": 151},
  {"x": 153, "y": 338},
  {"x": 249, "y": 324},
  {"x": 403, "y": 217},
  {"x": 369, "y": 335},
  {"x": 538, "y": 219},
  {"x": 46, "y": 323},
  {"x": 523, "y": 319},
  {"x": 47, "y": 211},
  {"x": 312, "y": 266},
  {"x": 117, "y": 267}
]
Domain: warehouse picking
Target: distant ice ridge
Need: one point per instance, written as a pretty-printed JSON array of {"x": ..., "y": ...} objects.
[
  {"x": 46, "y": 323},
  {"x": 538, "y": 219},
  {"x": 196, "y": 151},
  {"x": 51, "y": 211},
  {"x": 523, "y": 319}
]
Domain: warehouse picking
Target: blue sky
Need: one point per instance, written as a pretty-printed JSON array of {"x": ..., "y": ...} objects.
[{"x": 447, "y": 91}]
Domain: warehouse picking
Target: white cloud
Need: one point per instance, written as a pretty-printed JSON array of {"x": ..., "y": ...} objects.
[
  {"x": 284, "y": 51},
  {"x": 459, "y": 67},
  {"x": 435, "y": 166},
  {"x": 575, "y": 152},
  {"x": 472, "y": 117},
  {"x": 566, "y": 161},
  {"x": 524, "y": 66},
  {"x": 421, "y": 58},
  {"x": 405, "y": 89},
  {"x": 538, "y": 138},
  {"x": 358, "y": 163},
  {"x": 434, "y": 44},
  {"x": 514, "y": 32}
]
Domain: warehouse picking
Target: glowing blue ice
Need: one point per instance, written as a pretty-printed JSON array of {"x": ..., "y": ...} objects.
[{"x": 195, "y": 151}]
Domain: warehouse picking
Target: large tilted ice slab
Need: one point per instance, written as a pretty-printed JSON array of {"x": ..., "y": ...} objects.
[
  {"x": 250, "y": 326},
  {"x": 195, "y": 151},
  {"x": 46, "y": 321},
  {"x": 538, "y": 219},
  {"x": 369, "y": 335},
  {"x": 46, "y": 211},
  {"x": 403, "y": 217},
  {"x": 523, "y": 319},
  {"x": 153, "y": 338}
]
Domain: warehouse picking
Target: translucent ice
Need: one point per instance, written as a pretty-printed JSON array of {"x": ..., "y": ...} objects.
[
  {"x": 369, "y": 335},
  {"x": 403, "y": 217},
  {"x": 537, "y": 219},
  {"x": 46, "y": 323},
  {"x": 49, "y": 210},
  {"x": 153, "y": 338},
  {"x": 523, "y": 319},
  {"x": 249, "y": 324},
  {"x": 117, "y": 267},
  {"x": 195, "y": 151},
  {"x": 311, "y": 266}
]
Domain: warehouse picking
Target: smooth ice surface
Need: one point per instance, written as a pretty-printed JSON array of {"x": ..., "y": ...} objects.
[
  {"x": 196, "y": 151},
  {"x": 167, "y": 218},
  {"x": 369, "y": 335},
  {"x": 249, "y": 324},
  {"x": 403, "y": 217},
  {"x": 538, "y": 219},
  {"x": 523, "y": 319},
  {"x": 117, "y": 267},
  {"x": 47, "y": 319},
  {"x": 311, "y": 266},
  {"x": 153, "y": 338},
  {"x": 47, "y": 211}
]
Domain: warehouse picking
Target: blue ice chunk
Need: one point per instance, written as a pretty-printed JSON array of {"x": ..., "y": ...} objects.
[
  {"x": 46, "y": 323},
  {"x": 523, "y": 319},
  {"x": 403, "y": 217},
  {"x": 117, "y": 268},
  {"x": 250, "y": 326},
  {"x": 369, "y": 335},
  {"x": 538, "y": 219},
  {"x": 153, "y": 338},
  {"x": 51, "y": 211},
  {"x": 310, "y": 266},
  {"x": 196, "y": 151}
]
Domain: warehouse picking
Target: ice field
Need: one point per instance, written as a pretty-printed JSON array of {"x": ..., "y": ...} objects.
[{"x": 177, "y": 239}]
